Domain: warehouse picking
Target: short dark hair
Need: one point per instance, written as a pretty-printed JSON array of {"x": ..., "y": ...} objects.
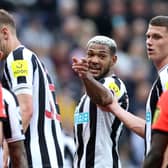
[
  {"x": 104, "y": 40},
  {"x": 159, "y": 21},
  {"x": 7, "y": 19}
]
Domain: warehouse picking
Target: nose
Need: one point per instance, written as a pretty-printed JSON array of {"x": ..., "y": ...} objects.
[
  {"x": 95, "y": 59},
  {"x": 149, "y": 41}
]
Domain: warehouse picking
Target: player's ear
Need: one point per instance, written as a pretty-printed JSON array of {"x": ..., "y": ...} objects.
[
  {"x": 5, "y": 32},
  {"x": 114, "y": 59}
]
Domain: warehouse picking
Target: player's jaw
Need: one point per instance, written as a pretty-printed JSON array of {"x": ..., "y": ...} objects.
[{"x": 98, "y": 72}]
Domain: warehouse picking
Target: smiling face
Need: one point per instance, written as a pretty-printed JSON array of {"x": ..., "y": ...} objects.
[
  {"x": 100, "y": 59},
  {"x": 156, "y": 42}
]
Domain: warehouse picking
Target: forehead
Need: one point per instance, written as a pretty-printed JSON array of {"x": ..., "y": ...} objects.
[
  {"x": 156, "y": 30},
  {"x": 98, "y": 47}
]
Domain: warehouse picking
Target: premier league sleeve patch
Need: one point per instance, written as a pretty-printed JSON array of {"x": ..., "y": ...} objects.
[
  {"x": 113, "y": 86},
  {"x": 20, "y": 68}
]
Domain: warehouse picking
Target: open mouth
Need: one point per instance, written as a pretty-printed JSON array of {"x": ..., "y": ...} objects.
[
  {"x": 150, "y": 51},
  {"x": 94, "y": 71}
]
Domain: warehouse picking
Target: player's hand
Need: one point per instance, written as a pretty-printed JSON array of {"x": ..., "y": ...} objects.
[{"x": 80, "y": 66}]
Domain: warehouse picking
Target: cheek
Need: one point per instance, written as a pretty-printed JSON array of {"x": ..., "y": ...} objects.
[
  {"x": 1, "y": 45},
  {"x": 106, "y": 65}
]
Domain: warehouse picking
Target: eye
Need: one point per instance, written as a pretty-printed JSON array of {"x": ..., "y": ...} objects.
[
  {"x": 102, "y": 56},
  {"x": 90, "y": 54},
  {"x": 147, "y": 36}
]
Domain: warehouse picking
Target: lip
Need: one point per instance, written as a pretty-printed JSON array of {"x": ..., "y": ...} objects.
[
  {"x": 94, "y": 71},
  {"x": 150, "y": 51}
]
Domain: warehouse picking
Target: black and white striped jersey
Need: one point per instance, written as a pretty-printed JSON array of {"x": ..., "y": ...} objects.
[
  {"x": 12, "y": 125},
  {"x": 11, "y": 118},
  {"x": 24, "y": 74},
  {"x": 96, "y": 132},
  {"x": 160, "y": 85},
  {"x": 69, "y": 150}
]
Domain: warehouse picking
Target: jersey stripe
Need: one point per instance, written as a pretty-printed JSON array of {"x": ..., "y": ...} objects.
[
  {"x": 91, "y": 143},
  {"x": 80, "y": 139},
  {"x": 42, "y": 143},
  {"x": 6, "y": 81},
  {"x": 27, "y": 145},
  {"x": 115, "y": 127},
  {"x": 7, "y": 125},
  {"x": 156, "y": 92},
  {"x": 58, "y": 150}
]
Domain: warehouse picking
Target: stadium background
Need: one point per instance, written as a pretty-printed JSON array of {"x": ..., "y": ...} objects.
[{"x": 59, "y": 29}]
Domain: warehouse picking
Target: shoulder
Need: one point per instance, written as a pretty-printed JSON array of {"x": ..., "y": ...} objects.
[
  {"x": 163, "y": 75},
  {"x": 20, "y": 53},
  {"x": 114, "y": 83}
]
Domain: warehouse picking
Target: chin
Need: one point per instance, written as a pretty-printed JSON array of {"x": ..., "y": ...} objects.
[{"x": 97, "y": 77}]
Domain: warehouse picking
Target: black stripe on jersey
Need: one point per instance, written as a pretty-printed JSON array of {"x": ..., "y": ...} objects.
[
  {"x": 58, "y": 150},
  {"x": 17, "y": 104},
  {"x": 18, "y": 55},
  {"x": 155, "y": 94},
  {"x": 4, "y": 80},
  {"x": 27, "y": 145},
  {"x": 115, "y": 127},
  {"x": 33, "y": 60},
  {"x": 90, "y": 150},
  {"x": 117, "y": 81},
  {"x": 123, "y": 101},
  {"x": 68, "y": 154},
  {"x": 42, "y": 142},
  {"x": 6, "y": 125},
  {"x": 80, "y": 139}
]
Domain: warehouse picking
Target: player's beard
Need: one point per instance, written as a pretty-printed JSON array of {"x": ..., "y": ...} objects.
[{"x": 104, "y": 74}]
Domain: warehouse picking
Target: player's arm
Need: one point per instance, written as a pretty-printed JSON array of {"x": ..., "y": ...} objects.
[
  {"x": 26, "y": 106},
  {"x": 155, "y": 156},
  {"x": 132, "y": 122},
  {"x": 22, "y": 68},
  {"x": 18, "y": 154},
  {"x": 95, "y": 90}
]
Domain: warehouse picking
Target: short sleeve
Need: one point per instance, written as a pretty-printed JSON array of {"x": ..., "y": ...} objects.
[
  {"x": 19, "y": 71},
  {"x": 117, "y": 88}
]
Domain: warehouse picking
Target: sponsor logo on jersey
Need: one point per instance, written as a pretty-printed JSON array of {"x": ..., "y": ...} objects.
[
  {"x": 20, "y": 68},
  {"x": 80, "y": 118},
  {"x": 148, "y": 116}
]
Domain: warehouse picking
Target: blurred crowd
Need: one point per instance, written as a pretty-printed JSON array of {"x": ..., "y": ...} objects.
[{"x": 59, "y": 29}]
